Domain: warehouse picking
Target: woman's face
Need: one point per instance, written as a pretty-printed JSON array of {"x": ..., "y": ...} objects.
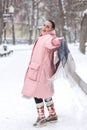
[{"x": 47, "y": 26}]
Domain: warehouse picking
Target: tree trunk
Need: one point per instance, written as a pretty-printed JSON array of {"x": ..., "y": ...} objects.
[
  {"x": 83, "y": 34},
  {"x": 1, "y": 21},
  {"x": 63, "y": 33}
]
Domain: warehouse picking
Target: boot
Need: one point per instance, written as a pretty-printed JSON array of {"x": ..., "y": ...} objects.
[
  {"x": 41, "y": 120},
  {"x": 52, "y": 114}
]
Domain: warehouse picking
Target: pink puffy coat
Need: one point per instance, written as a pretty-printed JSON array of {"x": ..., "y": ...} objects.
[{"x": 41, "y": 67}]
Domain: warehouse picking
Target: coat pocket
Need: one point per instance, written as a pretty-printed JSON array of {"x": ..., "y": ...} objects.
[{"x": 33, "y": 71}]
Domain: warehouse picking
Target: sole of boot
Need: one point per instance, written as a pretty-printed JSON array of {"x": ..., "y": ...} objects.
[
  {"x": 40, "y": 126},
  {"x": 52, "y": 121}
]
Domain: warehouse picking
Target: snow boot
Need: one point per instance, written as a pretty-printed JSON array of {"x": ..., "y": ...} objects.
[
  {"x": 41, "y": 120},
  {"x": 52, "y": 114}
]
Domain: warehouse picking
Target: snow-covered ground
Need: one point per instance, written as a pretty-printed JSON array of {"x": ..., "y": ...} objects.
[
  {"x": 19, "y": 113},
  {"x": 80, "y": 60}
]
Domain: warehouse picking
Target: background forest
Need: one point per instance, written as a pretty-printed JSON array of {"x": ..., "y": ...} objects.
[{"x": 24, "y": 22}]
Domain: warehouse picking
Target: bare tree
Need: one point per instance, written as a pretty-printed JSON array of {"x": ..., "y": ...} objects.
[
  {"x": 62, "y": 18},
  {"x": 83, "y": 34},
  {"x": 28, "y": 12},
  {"x": 1, "y": 19},
  {"x": 67, "y": 14}
]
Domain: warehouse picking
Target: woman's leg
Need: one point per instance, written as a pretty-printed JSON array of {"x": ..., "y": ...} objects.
[
  {"x": 41, "y": 120},
  {"x": 38, "y": 100},
  {"x": 52, "y": 113}
]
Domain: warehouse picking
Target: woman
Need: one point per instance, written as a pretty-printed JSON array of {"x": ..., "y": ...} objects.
[{"x": 40, "y": 69}]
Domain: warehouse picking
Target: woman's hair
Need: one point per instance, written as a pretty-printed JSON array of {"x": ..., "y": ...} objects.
[{"x": 53, "y": 24}]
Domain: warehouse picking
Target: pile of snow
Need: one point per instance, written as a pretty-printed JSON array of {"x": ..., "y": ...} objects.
[{"x": 80, "y": 61}]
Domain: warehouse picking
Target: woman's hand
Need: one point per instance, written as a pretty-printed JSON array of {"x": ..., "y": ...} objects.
[
  {"x": 61, "y": 38},
  {"x": 56, "y": 41}
]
